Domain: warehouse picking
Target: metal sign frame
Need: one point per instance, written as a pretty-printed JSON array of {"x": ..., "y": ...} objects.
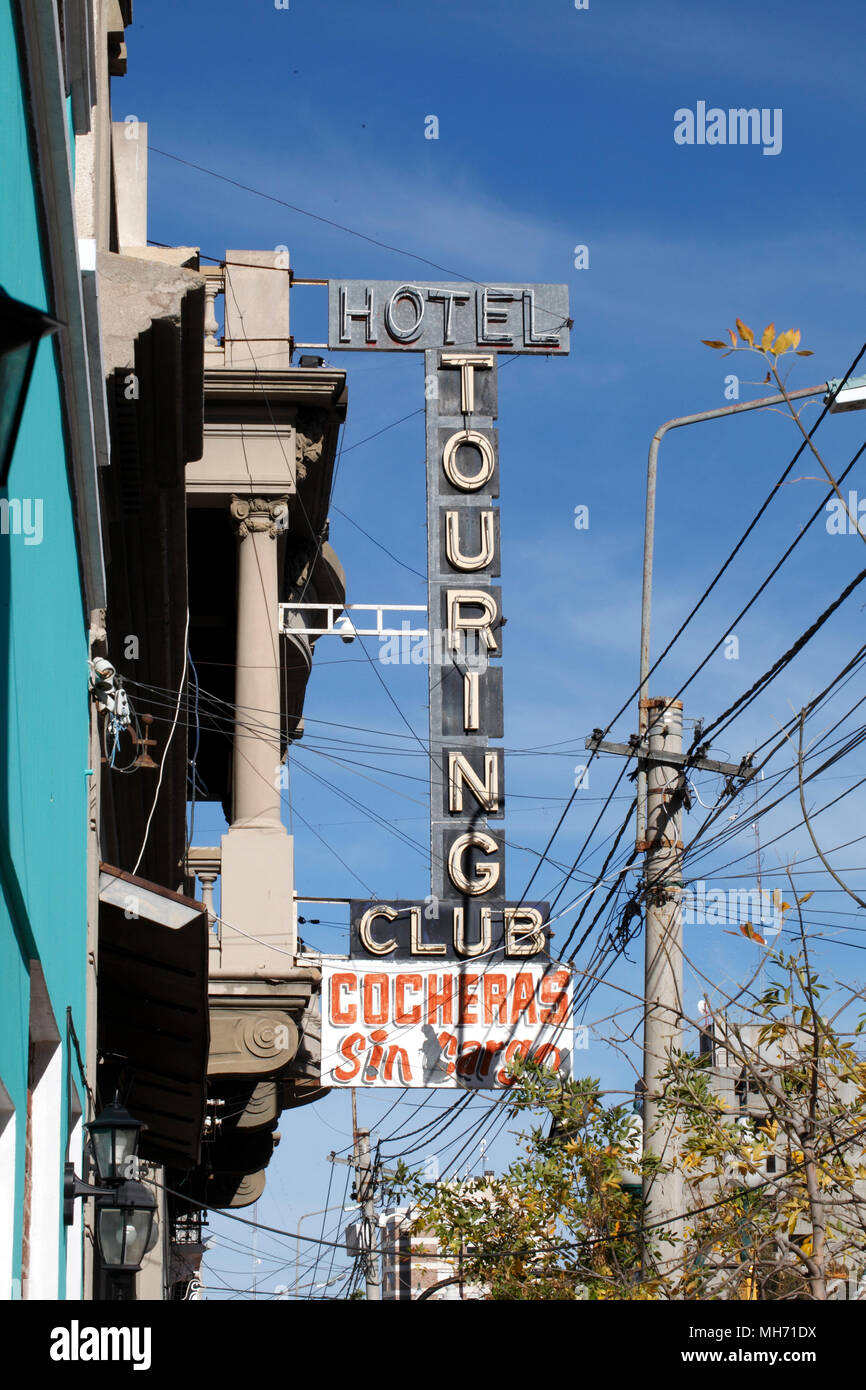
[{"x": 465, "y": 935}]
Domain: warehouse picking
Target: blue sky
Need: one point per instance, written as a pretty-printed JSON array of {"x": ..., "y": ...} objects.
[{"x": 555, "y": 130}]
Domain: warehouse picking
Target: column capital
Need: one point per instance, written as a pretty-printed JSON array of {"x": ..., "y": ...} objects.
[{"x": 270, "y": 514}]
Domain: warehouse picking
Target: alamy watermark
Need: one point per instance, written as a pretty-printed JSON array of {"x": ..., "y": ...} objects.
[
  {"x": 845, "y": 520},
  {"x": 737, "y": 126},
  {"x": 715, "y": 908},
  {"x": 22, "y": 516},
  {"x": 77, "y": 1343},
  {"x": 465, "y": 647}
]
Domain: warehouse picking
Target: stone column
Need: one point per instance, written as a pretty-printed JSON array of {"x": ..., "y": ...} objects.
[
  {"x": 208, "y": 878},
  {"x": 255, "y": 782},
  {"x": 257, "y": 914}
]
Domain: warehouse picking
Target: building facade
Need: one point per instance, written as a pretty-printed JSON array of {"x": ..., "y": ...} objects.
[
  {"x": 168, "y": 489},
  {"x": 51, "y": 582}
]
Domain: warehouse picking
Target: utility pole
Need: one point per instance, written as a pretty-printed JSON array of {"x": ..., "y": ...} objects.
[
  {"x": 663, "y": 969},
  {"x": 662, "y": 764},
  {"x": 365, "y": 1190}
]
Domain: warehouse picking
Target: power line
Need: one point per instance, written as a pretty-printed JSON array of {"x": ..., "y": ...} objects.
[
  {"x": 329, "y": 222},
  {"x": 708, "y": 590}
]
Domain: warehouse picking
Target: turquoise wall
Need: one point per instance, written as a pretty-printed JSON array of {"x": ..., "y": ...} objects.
[{"x": 43, "y": 666}]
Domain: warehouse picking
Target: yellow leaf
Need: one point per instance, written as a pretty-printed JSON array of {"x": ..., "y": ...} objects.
[
  {"x": 805, "y": 352},
  {"x": 795, "y": 337},
  {"x": 768, "y": 336},
  {"x": 745, "y": 333},
  {"x": 805, "y": 898},
  {"x": 782, "y": 343},
  {"x": 713, "y": 343},
  {"x": 749, "y": 931},
  {"x": 733, "y": 337}
]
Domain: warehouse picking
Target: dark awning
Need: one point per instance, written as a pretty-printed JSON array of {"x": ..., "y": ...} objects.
[{"x": 152, "y": 1011}]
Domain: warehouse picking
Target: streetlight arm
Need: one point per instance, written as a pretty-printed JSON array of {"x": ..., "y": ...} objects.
[{"x": 649, "y": 541}]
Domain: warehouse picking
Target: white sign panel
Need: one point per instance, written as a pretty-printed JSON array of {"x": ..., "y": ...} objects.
[{"x": 458, "y": 1025}]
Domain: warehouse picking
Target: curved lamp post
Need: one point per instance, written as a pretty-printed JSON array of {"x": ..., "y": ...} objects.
[{"x": 840, "y": 395}]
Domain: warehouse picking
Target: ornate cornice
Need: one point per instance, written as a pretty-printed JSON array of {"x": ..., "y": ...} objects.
[
  {"x": 309, "y": 440},
  {"x": 315, "y": 386}
]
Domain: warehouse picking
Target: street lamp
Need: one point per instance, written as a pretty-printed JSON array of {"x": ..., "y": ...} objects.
[
  {"x": 21, "y": 330},
  {"x": 663, "y": 988},
  {"x": 849, "y": 394},
  {"x": 124, "y": 1225},
  {"x": 125, "y": 1208},
  {"x": 306, "y": 1215},
  {"x": 114, "y": 1136}
]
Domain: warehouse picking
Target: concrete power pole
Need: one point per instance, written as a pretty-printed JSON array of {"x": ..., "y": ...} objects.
[
  {"x": 663, "y": 987},
  {"x": 366, "y": 1196},
  {"x": 662, "y": 764}
]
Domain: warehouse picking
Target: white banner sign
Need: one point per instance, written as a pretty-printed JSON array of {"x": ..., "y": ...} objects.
[{"x": 451, "y": 1026}]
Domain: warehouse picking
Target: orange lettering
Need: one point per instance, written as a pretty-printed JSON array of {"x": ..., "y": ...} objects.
[
  {"x": 338, "y": 1013},
  {"x": 524, "y": 998},
  {"x": 495, "y": 995},
  {"x": 468, "y": 1000},
  {"x": 439, "y": 1001},
  {"x": 354, "y": 1043},
  {"x": 397, "y": 1054},
  {"x": 448, "y": 1044},
  {"x": 375, "y": 1013},
  {"x": 557, "y": 982},
  {"x": 371, "y": 1071},
  {"x": 544, "y": 1051},
  {"x": 469, "y": 1058},
  {"x": 401, "y": 1013},
  {"x": 490, "y": 1051},
  {"x": 514, "y": 1049}
]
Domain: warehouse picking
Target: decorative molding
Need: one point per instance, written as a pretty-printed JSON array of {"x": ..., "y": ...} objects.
[
  {"x": 315, "y": 386},
  {"x": 253, "y": 1041},
  {"x": 262, "y": 1108},
  {"x": 309, "y": 440},
  {"x": 263, "y": 514}
]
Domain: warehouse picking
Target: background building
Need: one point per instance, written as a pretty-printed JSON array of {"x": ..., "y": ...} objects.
[
  {"x": 411, "y": 1262},
  {"x": 750, "y": 1068}
]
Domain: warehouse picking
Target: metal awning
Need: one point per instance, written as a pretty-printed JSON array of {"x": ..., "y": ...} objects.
[{"x": 152, "y": 1011}]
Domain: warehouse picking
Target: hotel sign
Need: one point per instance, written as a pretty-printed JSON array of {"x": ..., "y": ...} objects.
[
  {"x": 400, "y": 316},
  {"x": 400, "y": 1008}
]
